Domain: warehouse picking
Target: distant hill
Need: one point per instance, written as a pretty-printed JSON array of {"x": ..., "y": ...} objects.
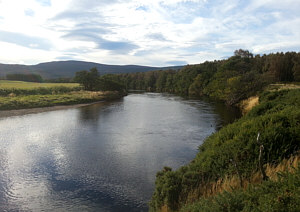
[{"x": 57, "y": 69}]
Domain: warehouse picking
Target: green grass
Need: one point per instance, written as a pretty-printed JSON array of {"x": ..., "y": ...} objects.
[
  {"x": 18, "y": 88},
  {"x": 22, "y": 95},
  {"x": 281, "y": 195},
  {"x": 6, "y": 84},
  {"x": 35, "y": 101}
]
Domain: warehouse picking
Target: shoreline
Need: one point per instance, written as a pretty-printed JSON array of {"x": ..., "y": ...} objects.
[
  {"x": 21, "y": 112},
  {"x": 30, "y": 104}
]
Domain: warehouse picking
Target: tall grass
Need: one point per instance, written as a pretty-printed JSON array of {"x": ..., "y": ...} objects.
[
  {"x": 230, "y": 183},
  {"x": 29, "y": 85},
  {"x": 282, "y": 194},
  {"x": 20, "y": 95},
  {"x": 16, "y": 88},
  {"x": 34, "y": 101}
]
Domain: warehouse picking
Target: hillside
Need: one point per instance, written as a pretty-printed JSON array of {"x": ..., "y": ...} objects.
[{"x": 67, "y": 69}]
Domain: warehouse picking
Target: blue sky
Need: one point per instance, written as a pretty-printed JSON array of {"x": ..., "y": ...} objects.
[{"x": 149, "y": 32}]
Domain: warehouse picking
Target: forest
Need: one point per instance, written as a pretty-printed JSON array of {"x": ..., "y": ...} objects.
[
  {"x": 229, "y": 80},
  {"x": 25, "y": 77},
  {"x": 90, "y": 88}
]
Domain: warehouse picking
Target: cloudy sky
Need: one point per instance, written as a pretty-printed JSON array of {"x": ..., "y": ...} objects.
[{"x": 144, "y": 32}]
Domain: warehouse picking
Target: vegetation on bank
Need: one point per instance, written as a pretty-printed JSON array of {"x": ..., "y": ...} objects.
[
  {"x": 16, "y": 88},
  {"x": 76, "y": 97},
  {"x": 231, "y": 80},
  {"x": 234, "y": 152},
  {"x": 25, "y": 77},
  {"x": 21, "y": 95},
  {"x": 6, "y": 84},
  {"x": 282, "y": 194},
  {"x": 92, "y": 81}
]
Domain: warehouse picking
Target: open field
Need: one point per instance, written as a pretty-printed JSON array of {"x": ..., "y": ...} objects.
[
  {"x": 6, "y": 84},
  {"x": 18, "y": 88},
  {"x": 76, "y": 97},
  {"x": 23, "y": 95}
]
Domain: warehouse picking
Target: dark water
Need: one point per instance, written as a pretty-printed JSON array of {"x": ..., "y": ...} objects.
[{"x": 101, "y": 157}]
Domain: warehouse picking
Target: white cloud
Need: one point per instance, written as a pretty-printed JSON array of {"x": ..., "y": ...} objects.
[
  {"x": 149, "y": 32},
  {"x": 14, "y": 54}
]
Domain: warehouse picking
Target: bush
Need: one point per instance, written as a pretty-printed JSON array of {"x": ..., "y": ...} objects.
[
  {"x": 282, "y": 195},
  {"x": 234, "y": 149}
]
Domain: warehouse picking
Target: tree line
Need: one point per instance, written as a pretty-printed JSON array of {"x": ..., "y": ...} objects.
[
  {"x": 92, "y": 81},
  {"x": 25, "y": 77},
  {"x": 230, "y": 80}
]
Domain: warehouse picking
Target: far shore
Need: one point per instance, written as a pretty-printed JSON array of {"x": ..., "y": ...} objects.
[{"x": 20, "y": 112}]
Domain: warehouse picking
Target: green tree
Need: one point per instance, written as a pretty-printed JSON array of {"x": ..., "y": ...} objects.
[
  {"x": 109, "y": 82},
  {"x": 88, "y": 79},
  {"x": 25, "y": 77},
  {"x": 243, "y": 53},
  {"x": 161, "y": 81}
]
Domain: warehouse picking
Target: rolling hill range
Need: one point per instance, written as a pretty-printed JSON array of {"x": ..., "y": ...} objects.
[{"x": 67, "y": 69}]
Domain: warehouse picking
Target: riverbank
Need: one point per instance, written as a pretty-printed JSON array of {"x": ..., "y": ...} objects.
[
  {"x": 246, "y": 105},
  {"x": 19, "y": 105},
  {"x": 238, "y": 155},
  {"x": 20, "y": 112}
]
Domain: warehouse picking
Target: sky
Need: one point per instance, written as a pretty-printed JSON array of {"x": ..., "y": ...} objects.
[{"x": 148, "y": 32}]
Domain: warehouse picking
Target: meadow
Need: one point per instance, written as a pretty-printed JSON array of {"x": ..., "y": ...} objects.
[
  {"x": 16, "y": 88},
  {"x": 6, "y": 84},
  {"x": 22, "y": 95}
]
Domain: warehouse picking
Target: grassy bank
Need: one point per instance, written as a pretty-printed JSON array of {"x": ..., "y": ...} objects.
[
  {"x": 233, "y": 154},
  {"x": 22, "y": 95},
  {"x": 282, "y": 194},
  {"x": 34, "y": 101},
  {"x": 14, "y": 88},
  {"x": 7, "y": 84}
]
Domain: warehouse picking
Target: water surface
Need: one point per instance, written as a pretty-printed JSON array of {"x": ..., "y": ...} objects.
[{"x": 101, "y": 157}]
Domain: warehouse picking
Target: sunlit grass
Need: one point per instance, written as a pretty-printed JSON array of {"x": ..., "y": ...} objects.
[
  {"x": 30, "y": 85},
  {"x": 18, "y": 88},
  {"x": 282, "y": 194},
  {"x": 34, "y": 101},
  {"x": 21, "y": 95}
]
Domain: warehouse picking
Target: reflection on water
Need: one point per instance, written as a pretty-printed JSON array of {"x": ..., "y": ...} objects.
[{"x": 101, "y": 157}]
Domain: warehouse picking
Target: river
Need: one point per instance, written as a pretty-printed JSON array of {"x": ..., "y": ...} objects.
[{"x": 101, "y": 157}]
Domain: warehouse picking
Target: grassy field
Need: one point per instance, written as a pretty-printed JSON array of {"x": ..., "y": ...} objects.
[
  {"x": 18, "y": 88},
  {"x": 22, "y": 95},
  {"x": 35, "y": 101},
  {"x": 6, "y": 84}
]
